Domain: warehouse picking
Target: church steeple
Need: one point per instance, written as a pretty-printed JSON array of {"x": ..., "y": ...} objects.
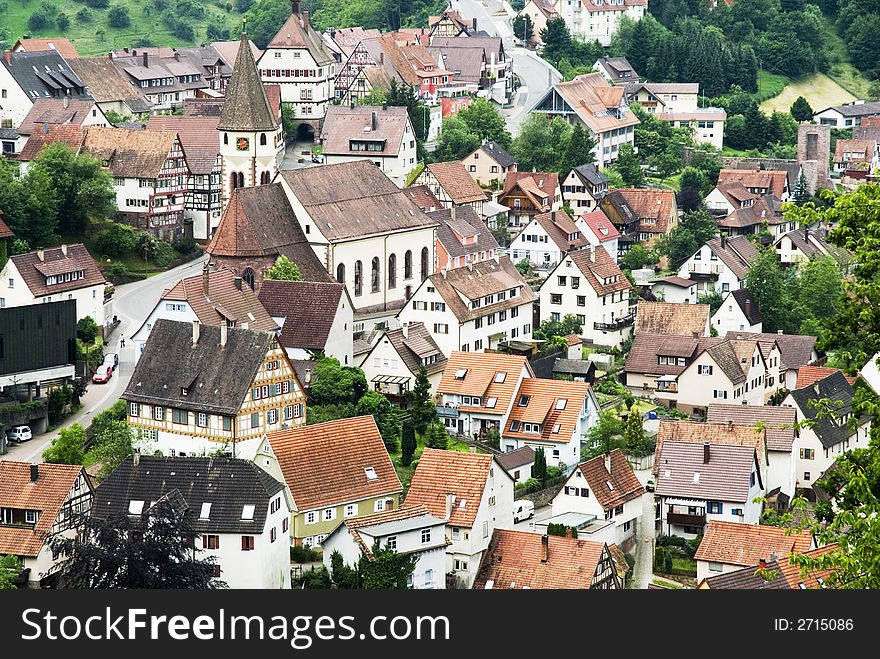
[{"x": 246, "y": 107}]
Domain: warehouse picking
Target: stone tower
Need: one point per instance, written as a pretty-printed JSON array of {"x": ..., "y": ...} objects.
[{"x": 814, "y": 155}]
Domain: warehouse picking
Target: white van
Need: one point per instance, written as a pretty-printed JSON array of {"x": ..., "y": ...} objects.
[{"x": 523, "y": 509}]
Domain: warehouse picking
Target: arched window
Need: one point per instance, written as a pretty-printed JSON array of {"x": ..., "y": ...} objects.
[
  {"x": 264, "y": 178},
  {"x": 407, "y": 264},
  {"x": 358, "y": 278},
  {"x": 425, "y": 266},
  {"x": 225, "y": 138},
  {"x": 241, "y": 179},
  {"x": 248, "y": 277},
  {"x": 392, "y": 271},
  {"x": 233, "y": 180},
  {"x": 374, "y": 275},
  {"x": 262, "y": 139},
  {"x": 340, "y": 273}
]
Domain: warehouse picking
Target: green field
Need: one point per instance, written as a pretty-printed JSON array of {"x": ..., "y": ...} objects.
[
  {"x": 86, "y": 36},
  {"x": 819, "y": 90},
  {"x": 770, "y": 85}
]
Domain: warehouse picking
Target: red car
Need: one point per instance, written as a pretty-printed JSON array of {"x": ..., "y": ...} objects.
[{"x": 103, "y": 374}]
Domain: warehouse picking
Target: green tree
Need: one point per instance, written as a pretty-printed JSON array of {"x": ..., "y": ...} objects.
[
  {"x": 556, "y": 38},
  {"x": 695, "y": 229},
  {"x": 342, "y": 575},
  {"x": 800, "y": 194},
  {"x": 604, "y": 436},
  {"x": 569, "y": 324},
  {"x": 407, "y": 443},
  {"x": 634, "y": 437},
  {"x": 67, "y": 448},
  {"x": 111, "y": 447},
  {"x": 693, "y": 178},
  {"x": 767, "y": 284},
  {"x": 436, "y": 436},
  {"x": 815, "y": 293},
  {"x": 333, "y": 383},
  {"x": 539, "y": 468},
  {"x": 577, "y": 150},
  {"x": 385, "y": 569},
  {"x": 456, "y": 140},
  {"x": 288, "y": 119},
  {"x": 403, "y": 95},
  {"x": 264, "y": 19},
  {"x": 523, "y": 27},
  {"x": 115, "y": 240},
  {"x": 10, "y": 567},
  {"x": 801, "y": 109},
  {"x": 87, "y": 329},
  {"x": 629, "y": 166},
  {"x": 483, "y": 120},
  {"x": 118, "y": 17},
  {"x": 376, "y": 405},
  {"x": 713, "y": 298},
  {"x": 419, "y": 402},
  {"x": 62, "y": 21},
  {"x": 638, "y": 257},
  {"x": 537, "y": 146},
  {"x": 283, "y": 270}
]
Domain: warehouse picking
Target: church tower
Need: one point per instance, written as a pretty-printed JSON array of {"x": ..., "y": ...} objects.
[{"x": 251, "y": 138}]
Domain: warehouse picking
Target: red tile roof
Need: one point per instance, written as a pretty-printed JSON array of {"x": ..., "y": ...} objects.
[
  {"x": 746, "y": 544},
  {"x": 626, "y": 487},
  {"x": 57, "y": 260},
  {"x": 602, "y": 227},
  {"x": 600, "y": 270},
  {"x": 68, "y": 134},
  {"x": 807, "y": 375},
  {"x": 559, "y": 226},
  {"x": 455, "y": 180},
  {"x": 672, "y": 318},
  {"x": 770, "y": 179},
  {"x": 481, "y": 371},
  {"x": 62, "y": 45},
  {"x": 544, "y": 399},
  {"x": 655, "y": 208},
  {"x": 309, "y": 309}
]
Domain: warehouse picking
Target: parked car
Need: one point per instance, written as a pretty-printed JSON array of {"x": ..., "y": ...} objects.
[
  {"x": 523, "y": 509},
  {"x": 651, "y": 484},
  {"x": 18, "y": 434},
  {"x": 111, "y": 359},
  {"x": 103, "y": 374}
]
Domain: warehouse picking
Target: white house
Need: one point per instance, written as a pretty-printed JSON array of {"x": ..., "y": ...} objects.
[
  {"x": 518, "y": 463},
  {"x": 393, "y": 363},
  {"x": 728, "y": 546},
  {"x": 539, "y": 11},
  {"x": 738, "y": 312},
  {"x": 489, "y": 164},
  {"x": 410, "y": 530},
  {"x": 590, "y": 20},
  {"x": 698, "y": 483},
  {"x": 720, "y": 264},
  {"x": 239, "y": 514},
  {"x": 583, "y": 188},
  {"x": 821, "y": 443},
  {"x": 452, "y": 184},
  {"x": 473, "y": 308},
  {"x": 546, "y": 239},
  {"x": 706, "y": 125},
  {"x": 474, "y": 494},
  {"x": 67, "y": 272},
  {"x": 60, "y": 111},
  {"x": 35, "y": 501},
  {"x": 791, "y": 351},
  {"x": 381, "y": 134},
  {"x": 598, "y": 229},
  {"x": 728, "y": 197},
  {"x": 802, "y": 245},
  {"x": 664, "y": 97},
  {"x": 607, "y": 488},
  {"x": 590, "y": 285},
  {"x": 616, "y": 70},
  {"x": 846, "y": 116},
  {"x": 676, "y": 290}
]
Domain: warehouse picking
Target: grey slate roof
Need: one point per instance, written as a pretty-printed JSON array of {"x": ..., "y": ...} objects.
[
  {"x": 840, "y": 392},
  {"x": 591, "y": 174},
  {"x": 574, "y": 366},
  {"x": 754, "y": 314},
  {"x": 498, "y": 154},
  {"x": 518, "y": 458},
  {"x": 795, "y": 349},
  {"x": 466, "y": 219},
  {"x": 217, "y": 378},
  {"x": 725, "y": 356},
  {"x": 748, "y": 578},
  {"x": 45, "y": 74},
  {"x": 858, "y": 110},
  {"x": 724, "y": 478},
  {"x": 246, "y": 106},
  {"x": 228, "y": 484}
]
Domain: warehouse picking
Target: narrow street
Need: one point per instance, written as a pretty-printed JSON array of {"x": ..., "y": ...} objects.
[{"x": 644, "y": 555}]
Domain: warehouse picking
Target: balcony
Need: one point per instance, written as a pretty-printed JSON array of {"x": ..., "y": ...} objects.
[
  {"x": 616, "y": 324},
  {"x": 681, "y": 519}
]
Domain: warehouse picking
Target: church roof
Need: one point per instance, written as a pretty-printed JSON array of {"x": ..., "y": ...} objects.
[{"x": 246, "y": 107}]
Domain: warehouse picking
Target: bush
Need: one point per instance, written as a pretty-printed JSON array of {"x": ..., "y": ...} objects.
[
  {"x": 39, "y": 21},
  {"x": 98, "y": 4},
  {"x": 63, "y": 21},
  {"x": 185, "y": 246},
  {"x": 164, "y": 254},
  {"x": 84, "y": 15},
  {"x": 183, "y": 30},
  {"x": 115, "y": 240},
  {"x": 304, "y": 554},
  {"x": 87, "y": 330},
  {"x": 118, "y": 17},
  {"x": 667, "y": 563},
  {"x": 57, "y": 400}
]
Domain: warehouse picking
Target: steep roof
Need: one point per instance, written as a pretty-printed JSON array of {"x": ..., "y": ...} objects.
[
  {"x": 462, "y": 221},
  {"x": 746, "y": 544},
  {"x": 514, "y": 560},
  {"x": 517, "y": 458},
  {"x": 672, "y": 318},
  {"x": 736, "y": 193},
  {"x": 46, "y": 495},
  {"x": 778, "y": 421},
  {"x": 413, "y": 344},
  {"x": 227, "y": 485},
  {"x": 44, "y": 74},
  {"x": 463, "y": 475},
  {"x": 326, "y": 463},
  {"x": 198, "y": 137},
  {"x": 424, "y": 199},
  {"x": 716, "y": 434},
  {"x": 778, "y": 575},
  {"x": 228, "y": 50},
  {"x": 863, "y": 150},
  {"x": 129, "y": 153},
  {"x": 219, "y": 297},
  {"x": 591, "y": 97},
  {"x": 466, "y": 64},
  {"x": 307, "y": 307},
  {"x": 455, "y": 180},
  {"x": 725, "y": 355},
  {"x": 71, "y": 135},
  {"x": 54, "y": 111},
  {"x": 736, "y": 253},
  {"x": 647, "y": 347},
  {"x": 655, "y": 208},
  {"x": 559, "y": 226},
  {"x": 840, "y": 393},
  {"x": 554, "y": 404},
  {"x": 246, "y": 106},
  {"x": 498, "y": 154},
  {"x": 767, "y": 208},
  {"x": 61, "y": 45},
  {"x": 614, "y": 66},
  {"x": 480, "y": 375},
  {"x": 796, "y": 349},
  {"x": 366, "y": 528},
  {"x": 773, "y": 180},
  {"x": 599, "y": 269},
  {"x": 107, "y": 83},
  {"x": 807, "y": 375},
  {"x": 681, "y": 471},
  {"x": 612, "y": 488},
  {"x": 602, "y": 227},
  {"x": 5, "y": 231},
  {"x": 298, "y": 33},
  {"x": 36, "y": 266},
  {"x": 752, "y": 313},
  {"x": 217, "y": 378},
  {"x": 534, "y": 184},
  {"x": 351, "y": 200},
  {"x": 344, "y": 124}
]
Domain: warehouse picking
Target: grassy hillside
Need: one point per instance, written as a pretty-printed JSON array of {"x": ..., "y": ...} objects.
[
  {"x": 819, "y": 90},
  {"x": 841, "y": 69}
]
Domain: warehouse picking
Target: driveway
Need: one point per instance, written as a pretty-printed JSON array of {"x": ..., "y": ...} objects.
[{"x": 644, "y": 553}]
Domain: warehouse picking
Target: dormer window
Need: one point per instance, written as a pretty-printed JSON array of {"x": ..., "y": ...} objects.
[
  {"x": 524, "y": 400},
  {"x": 370, "y": 473}
]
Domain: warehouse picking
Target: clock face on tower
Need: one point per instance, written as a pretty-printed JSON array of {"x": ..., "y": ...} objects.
[{"x": 242, "y": 143}]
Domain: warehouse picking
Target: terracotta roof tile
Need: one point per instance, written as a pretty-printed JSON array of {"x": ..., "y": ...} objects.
[
  {"x": 325, "y": 464},
  {"x": 198, "y": 137},
  {"x": 778, "y": 575},
  {"x": 68, "y": 134},
  {"x": 626, "y": 486},
  {"x": 53, "y": 111},
  {"x": 779, "y": 422},
  {"x": 590, "y": 96},
  {"x": 672, "y": 318},
  {"x": 455, "y": 180},
  {"x": 558, "y": 225},
  {"x": 602, "y": 227},
  {"x": 646, "y": 347},
  {"x": 357, "y": 524},
  {"x": 480, "y": 377},
  {"x": 655, "y": 208},
  {"x": 716, "y": 434},
  {"x": 597, "y": 266},
  {"x": 534, "y": 184},
  {"x": 542, "y": 407},
  {"x": 772, "y": 180},
  {"x": 135, "y": 154},
  {"x": 33, "y": 265},
  {"x": 62, "y": 45},
  {"x": 736, "y": 253},
  {"x": 423, "y": 197},
  {"x": 463, "y": 475},
  {"x": 796, "y": 349},
  {"x": 296, "y": 33},
  {"x": 517, "y": 458},
  {"x": 746, "y": 544},
  {"x": 807, "y": 375},
  {"x": 309, "y": 309},
  {"x": 343, "y": 124}
]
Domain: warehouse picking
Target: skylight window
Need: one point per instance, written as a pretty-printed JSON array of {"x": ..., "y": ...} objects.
[
  {"x": 696, "y": 477},
  {"x": 462, "y": 503},
  {"x": 371, "y": 473},
  {"x": 206, "y": 511},
  {"x": 610, "y": 485},
  {"x": 560, "y": 404},
  {"x": 460, "y": 373},
  {"x": 491, "y": 402},
  {"x": 247, "y": 511},
  {"x": 500, "y": 376},
  {"x": 667, "y": 474},
  {"x": 556, "y": 427},
  {"x": 524, "y": 401},
  {"x": 135, "y": 507}
]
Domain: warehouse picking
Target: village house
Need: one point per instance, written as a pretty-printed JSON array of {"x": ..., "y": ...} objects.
[
  {"x": 721, "y": 264},
  {"x": 450, "y": 24},
  {"x": 297, "y": 60},
  {"x": 381, "y": 134},
  {"x": 518, "y": 463},
  {"x": 314, "y": 317},
  {"x": 728, "y": 546},
  {"x": 462, "y": 238},
  {"x": 769, "y": 574},
  {"x": 452, "y": 185},
  {"x": 333, "y": 471},
  {"x": 777, "y": 424},
  {"x": 606, "y": 488},
  {"x": 527, "y": 194},
  {"x": 583, "y": 188},
  {"x": 600, "y": 107},
  {"x": 804, "y": 244},
  {"x": 616, "y": 70},
  {"x": 366, "y": 231},
  {"x": 346, "y": 46},
  {"x": 62, "y": 45},
  {"x": 539, "y": 11},
  {"x": 212, "y": 298},
  {"x": 847, "y": 116},
  {"x": 475, "y": 307},
  {"x": 36, "y": 502},
  {"x": 237, "y": 513},
  {"x": 161, "y": 75},
  {"x": 672, "y": 319},
  {"x": 546, "y": 239},
  {"x": 697, "y": 483},
  {"x": 489, "y": 164},
  {"x": 599, "y": 19},
  {"x": 477, "y": 391},
  {"x": 199, "y": 389},
  {"x": 474, "y": 494},
  {"x": 853, "y": 154},
  {"x": 737, "y": 313},
  {"x": 67, "y": 272},
  {"x": 763, "y": 214},
  {"x": 110, "y": 87},
  {"x": 553, "y": 415},
  {"x": 59, "y": 111},
  {"x": 785, "y": 354},
  {"x": 424, "y": 198},
  {"x": 728, "y": 197},
  {"x": 411, "y": 530},
  {"x": 823, "y": 439},
  {"x": 641, "y": 215},
  {"x": 577, "y": 370},
  {"x": 599, "y": 230},
  {"x": 496, "y": 73},
  {"x": 758, "y": 181},
  {"x": 675, "y": 289},
  {"x": 659, "y": 98},
  {"x": 588, "y": 284},
  {"x": 392, "y": 364}
]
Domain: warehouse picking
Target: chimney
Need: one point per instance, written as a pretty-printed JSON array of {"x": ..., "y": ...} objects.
[
  {"x": 608, "y": 462},
  {"x": 224, "y": 332},
  {"x": 450, "y": 499},
  {"x": 545, "y": 548},
  {"x": 294, "y": 6},
  {"x": 205, "y": 279},
  {"x": 807, "y": 233},
  {"x": 779, "y": 331},
  {"x": 729, "y": 426},
  {"x": 404, "y": 329},
  {"x": 35, "y": 473},
  {"x": 66, "y": 102},
  {"x": 305, "y": 19},
  {"x": 553, "y": 216},
  {"x": 475, "y": 24},
  {"x": 8, "y": 56},
  {"x": 238, "y": 283},
  {"x": 196, "y": 328},
  {"x": 706, "y": 453},
  {"x": 592, "y": 253},
  {"x": 135, "y": 458},
  {"x": 773, "y": 557},
  {"x": 64, "y": 250},
  {"x": 176, "y": 55},
  {"x": 374, "y": 120},
  {"x": 352, "y": 102},
  {"x": 308, "y": 377},
  {"x": 452, "y": 212},
  {"x": 762, "y": 564},
  {"x": 385, "y": 105},
  {"x": 40, "y": 255},
  {"x": 723, "y": 242},
  {"x": 567, "y": 531},
  {"x": 381, "y": 58},
  {"x": 747, "y": 307},
  {"x": 146, "y": 59}
]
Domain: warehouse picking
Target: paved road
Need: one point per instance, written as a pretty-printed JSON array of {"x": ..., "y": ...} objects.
[
  {"x": 644, "y": 555},
  {"x": 132, "y": 303}
]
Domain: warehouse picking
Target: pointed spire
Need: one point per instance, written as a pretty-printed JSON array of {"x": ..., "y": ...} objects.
[{"x": 246, "y": 107}]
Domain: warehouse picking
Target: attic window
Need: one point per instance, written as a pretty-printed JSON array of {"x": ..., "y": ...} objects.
[
  {"x": 371, "y": 473},
  {"x": 490, "y": 402},
  {"x": 560, "y": 404},
  {"x": 500, "y": 376},
  {"x": 184, "y": 391},
  {"x": 610, "y": 485},
  {"x": 696, "y": 477},
  {"x": 206, "y": 511},
  {"x": 247, "y": 511},
  {"x": 524, "y": 401},
  {"x": 556, "y": 427},
  {"x": 460, "y": 373},
  {"x": 135, "y": 507},
  {"x": 462, "y": 503},
  {"x": 667, "y": 474}
]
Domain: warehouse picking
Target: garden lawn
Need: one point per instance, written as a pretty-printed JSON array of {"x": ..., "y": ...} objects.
[{"x": 820, "y": 91}]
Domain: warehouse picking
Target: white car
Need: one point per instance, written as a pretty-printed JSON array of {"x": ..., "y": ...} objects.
[
  {"x": 523, "y": 509},
  {"x": 18, "y": 434}
]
